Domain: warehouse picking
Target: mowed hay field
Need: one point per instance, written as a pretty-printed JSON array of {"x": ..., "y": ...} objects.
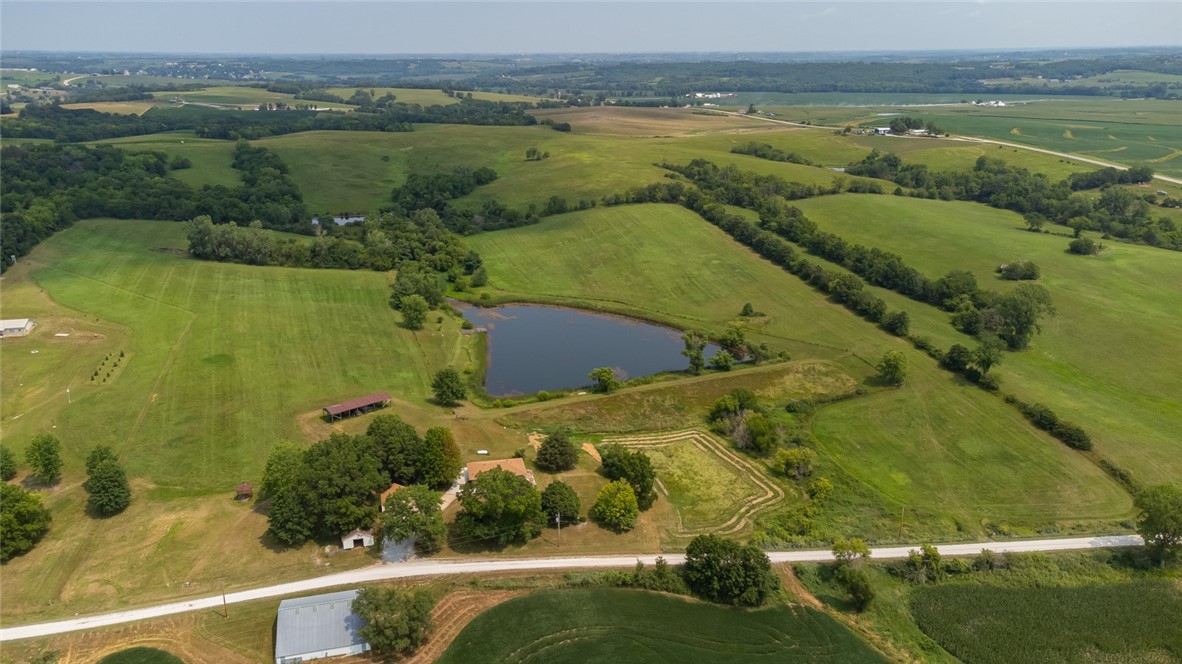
[
  {"x": 212, "y": 159},
  {"x": 346, "y": 171},
  {"x": 622, "y": 626},
  {"x": 1106, "y": 360},
  {"x": 978, "y": 458},
  {"x": 220, "y": 363}
]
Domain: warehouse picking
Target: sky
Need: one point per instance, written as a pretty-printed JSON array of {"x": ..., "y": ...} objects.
[{"x": 588, "y": 26}]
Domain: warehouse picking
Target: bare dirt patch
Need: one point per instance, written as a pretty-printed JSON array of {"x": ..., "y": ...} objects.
[{"x": 592, "y": 452}]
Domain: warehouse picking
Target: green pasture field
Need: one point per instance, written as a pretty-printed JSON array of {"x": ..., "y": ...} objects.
[
  {"x": 1095, "y": 362},
  {"x": 1131, "y": 132},
  {"x": 1129, "y": 622},
  {"x": 29, "y": 79},
  {"x": 220, "y": 362},
  {"x": 953, "y": 155},
  {"x": 981, "y": 460},
  {"x": 612, "y": 625},
  {"x": 212, "y": 158},
  {"x": 341, "y": 171}
]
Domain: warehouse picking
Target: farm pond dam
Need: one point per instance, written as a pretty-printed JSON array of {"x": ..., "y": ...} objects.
[{"x": 534, "y": 347}]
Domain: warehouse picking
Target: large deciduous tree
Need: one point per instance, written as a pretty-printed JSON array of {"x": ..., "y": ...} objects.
[
  {"x": 557, "y": 453},
  {"x": 414, "y": 311},
  {"x": 44, "y": 456},
  {"x": 342, "y": 476},
  {"x": 439, "y": 459},
  {"x": 1160, "y": 520},
  {"x": 448, "y": 387},
  {"x": 397, "y": 447},
  {"x": 604, "y": 379},
  {"x": 397, "y": 622},
  {"x": 892, "y": 368},
  {"x": 23, "y": 521},
  {"x": 413, "y": 511},
  {"x": 722, "y": 570},
  {"x": 7, "y": 464},
  {"x": 695, "y": 351},
  {"x": 615, "y": 506},
  {"x": 633, "y": 466},
  {"x": 108, "y": 488},
  {"x": 559, "y": 501},
  {"x": 282, "y": 471},
  {"x": 500, "y": 507}
]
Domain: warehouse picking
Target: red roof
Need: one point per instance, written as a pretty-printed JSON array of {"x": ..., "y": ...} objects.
[{"x": 360, "y": 402}]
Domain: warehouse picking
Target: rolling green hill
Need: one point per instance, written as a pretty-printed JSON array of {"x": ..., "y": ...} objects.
[
  {"x": 981, "y": 460},
  {"x": 1099, "y": 362}
]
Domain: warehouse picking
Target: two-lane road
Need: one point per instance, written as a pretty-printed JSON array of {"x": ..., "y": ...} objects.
[{"x": 431, "y": 567}]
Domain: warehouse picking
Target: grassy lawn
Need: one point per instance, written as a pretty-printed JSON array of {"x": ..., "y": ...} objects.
[
  {"x": 1095, "y": 362},
  {"x": 609, "y": 625},
  {"x": 955, "y": 451}
]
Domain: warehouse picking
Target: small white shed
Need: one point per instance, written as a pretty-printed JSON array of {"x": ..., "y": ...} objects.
[{"x": 356, "y": 539}]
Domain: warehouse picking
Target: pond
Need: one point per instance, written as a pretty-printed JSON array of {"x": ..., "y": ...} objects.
[{"x": 532, "y": 347}]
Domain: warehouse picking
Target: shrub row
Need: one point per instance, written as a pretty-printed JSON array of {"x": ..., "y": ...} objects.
[{"x": 1044, "y": 418}]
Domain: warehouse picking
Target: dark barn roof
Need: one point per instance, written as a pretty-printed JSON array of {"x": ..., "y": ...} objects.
[{"x": 355, "y": 404}]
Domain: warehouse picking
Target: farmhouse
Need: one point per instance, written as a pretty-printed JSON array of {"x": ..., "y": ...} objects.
[
  {"x": 514, "y": 465},
  {"x": 882, "y": 130},
  {"x": 16, "y": 327},
  {"x": 318, "y": 626},
  {"x": 356, "y": 539},
  {"x": 357, "y": 406},
  {"x": 386, "y": 494}
]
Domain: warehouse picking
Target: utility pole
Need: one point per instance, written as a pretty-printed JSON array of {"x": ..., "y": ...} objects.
[
  {"x": 225, "y": 606},
  {"x": 559, "y": 515},
  {"x": 68, "y": 398},
  {"x": 901, "y": 521}
]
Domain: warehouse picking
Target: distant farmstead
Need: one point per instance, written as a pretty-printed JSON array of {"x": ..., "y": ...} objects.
[
  {"x": 357, "y": 406},
  {"x": 16, "y": 327},
  {"x": 318, "y": 626}
]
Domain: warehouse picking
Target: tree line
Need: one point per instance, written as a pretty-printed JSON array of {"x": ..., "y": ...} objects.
[
  {"x": 1013, "y": 316},
  {"x": 1117, "y": 212},
  {"x": 76, "y": 125},
  {"x": 49, "y": 187},
  {"x": 385, "y": 242}
]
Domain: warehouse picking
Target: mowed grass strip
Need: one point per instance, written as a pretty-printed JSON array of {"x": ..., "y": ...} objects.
[
  {"x": 976, "y": 457},
  {"x": 1105, "y": 361},
  {"x": 1122, "y": 622},
  {"x": 621, "y": 626}
]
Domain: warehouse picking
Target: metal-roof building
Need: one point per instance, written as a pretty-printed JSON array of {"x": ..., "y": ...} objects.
[{"x": 318, "y": 626}]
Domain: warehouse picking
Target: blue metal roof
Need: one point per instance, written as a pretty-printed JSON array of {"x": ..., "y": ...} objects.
[{"x": 317, "y": 623}]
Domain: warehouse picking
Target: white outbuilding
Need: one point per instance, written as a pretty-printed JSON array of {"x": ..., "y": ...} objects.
[
  {"x": 15, "y": 327},
  {"x": 356, "y": 539},
  {"x": 318, "y": 626}
]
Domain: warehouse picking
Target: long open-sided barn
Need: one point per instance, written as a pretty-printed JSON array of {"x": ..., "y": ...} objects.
[{"x": 357, "y": 406}]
